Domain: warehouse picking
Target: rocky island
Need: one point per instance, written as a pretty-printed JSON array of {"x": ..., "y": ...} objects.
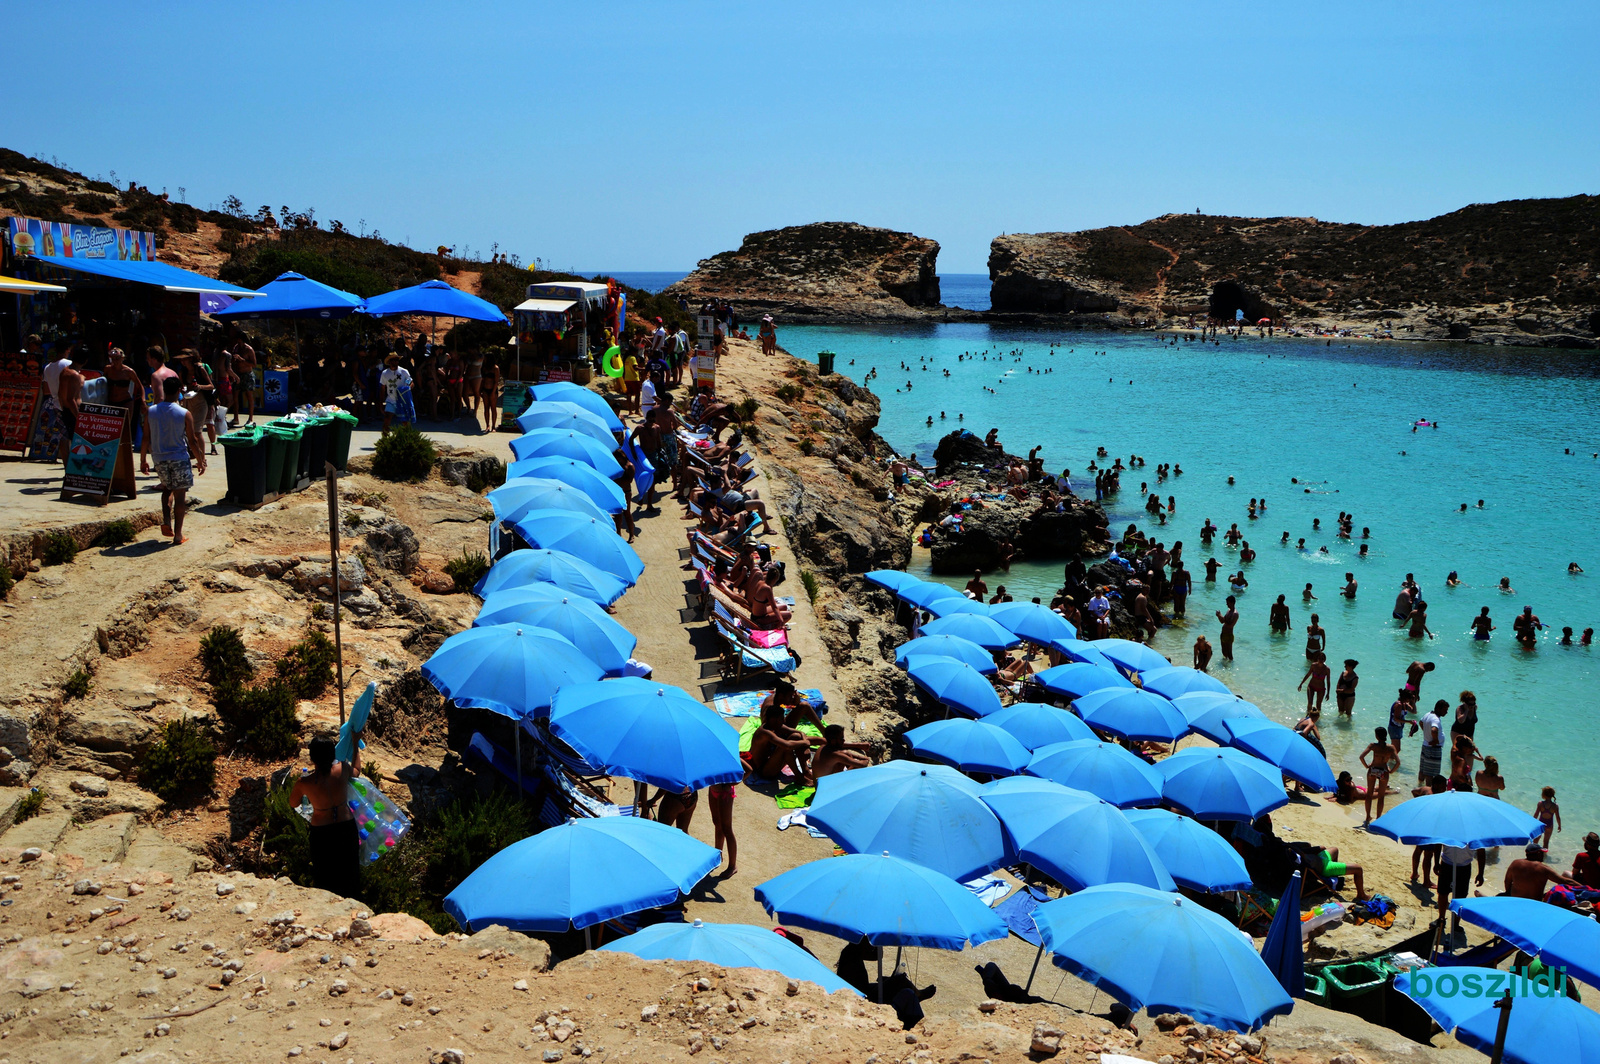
[
  {"x": 1517, "y": 272},
  {"x": 824, "y": 273}
]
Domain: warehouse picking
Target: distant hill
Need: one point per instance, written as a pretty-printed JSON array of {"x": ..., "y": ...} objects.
[{"x": 1522, "y": 271}]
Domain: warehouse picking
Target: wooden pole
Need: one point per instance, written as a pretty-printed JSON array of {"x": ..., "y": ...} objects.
[
  {"x": 1504, "y": 1005},
  {"x": 333, "y": 549}
]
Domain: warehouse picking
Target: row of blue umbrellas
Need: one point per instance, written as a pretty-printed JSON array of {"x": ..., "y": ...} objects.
[{"x": 293, "y": 295}]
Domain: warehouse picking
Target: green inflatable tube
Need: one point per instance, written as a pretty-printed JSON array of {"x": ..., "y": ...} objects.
[{"x": 612, "y": 363}]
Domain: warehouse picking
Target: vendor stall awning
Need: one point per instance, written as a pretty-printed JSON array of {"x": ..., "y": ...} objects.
[
  {"x": 17, "y": 284},
  {"x": 548, "y": 306},
  {"x": 159, "y": 274}
]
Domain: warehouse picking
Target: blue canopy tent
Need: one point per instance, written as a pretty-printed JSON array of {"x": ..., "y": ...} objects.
[{"x": 160, "y": 274}]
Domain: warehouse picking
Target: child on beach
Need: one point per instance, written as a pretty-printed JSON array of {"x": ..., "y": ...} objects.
[{"x": 1549, "y": 813}]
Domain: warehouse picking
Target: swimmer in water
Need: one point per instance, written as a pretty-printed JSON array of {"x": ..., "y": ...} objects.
[
  {"x": 1363, "y": 552},
  {"x": 1505, "y": 586},
  {"x": 1285, "y": 538},
  {"x": 1482, "y": 625},
  {"x": 1366, "y": 533},
  {"x": 1574, "y": 567},
  {"x": 1349, "y": 589},
  {"x": 1452, "y": 580},
  {"x": 1307, "y": 596},
  {"x": 1480, "y": 504}
]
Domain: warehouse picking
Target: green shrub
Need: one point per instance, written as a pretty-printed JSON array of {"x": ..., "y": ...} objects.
[
  {"x": 403, "y": 453},
  {"x": 745, "y": 409},
  {"x": 490, "y": 474},
  {"x": 7, "y": 581},
  {"x": 223, "y": 658},
  {"x": 260, "y": 718},
  {"x": 115, "y": 534},
  {"x": 808, "y": 445},
  {"x": 790, "y": 392},
  {"x": 307, "y": 667},
  {"x": 77, "y": 685},
  {"x": 468, "y": 569},
  {"x": 59, "y": 549},
  {"x": 182, "y": 768},
  {"x": 286, "y": 836},
  {"x": 30, "y": 805},
  {"x": 808, "y": 580}
]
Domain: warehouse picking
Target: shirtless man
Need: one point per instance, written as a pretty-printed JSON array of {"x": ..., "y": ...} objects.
[
  {"x": 1529, "y": 876},
  {"x": 1344, "y": 691},
  {"x": 775, "y": 746},
  {"x": 244, "y": 367},
  {"x": 1349, "y": 589},
  {"x": 1202, "y": 653},
  {"x": 1229, "y": 620},
  {"x": 1414, "y": 674},
  {"x": 1141, "y": 615},
  {"x": 1482, "y": 625},
  {"x": 977, "y": 586},
  {"x": 837, "y": 755},
  {"x": 1402, "y": 604},
  {"x": 1527, "y": 626},
  {"x": 335, "y": 841}
]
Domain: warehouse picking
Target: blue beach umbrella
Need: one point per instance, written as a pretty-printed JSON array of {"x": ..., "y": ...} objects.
[
  {"x": 891, "y": 579},
  {"x": 728, "y": 946},
  {"x": 929, "y": 814},
  {"x": 649, "y": 731},
  {"x": 1541, "y": 1030},
  {"x": 981, "y": 630},
  {"x": 954, "y": 683},
  {"x": 948, "y": 646},
  {"x": 567, "y": 417},
  {"x": 951, "y": 605},
  {"x": 554, "y": 443},
  {"x": 1034, "y": 724},
  {"x": 969, "y": 745},
  {"x": 581, "y": 873},
  {"x": 512, "y": 669},
  {"x": 1282, "y": 951},
  {"x": 1458, "y": 818},
  {"x": 1175, "y": 680},
  {"x": 293, "y": 295},
  {"x": 567, "y": 392},
  {"x": 1103, "y": 769},
  {"x": 1033, "y": 622},
  {"x": 520, "y": 494},
  {"x": 1160, "y": 951},
  {"x": 1290, "y": 751},
  {"x": 435, "y": 299},
  {"x": 1131, "y": 657},
  {"x": 582, "y": 536},
  {"x": 1559, "y": 937},
  {"x": 1080, "y": 650},
  {"x": 922, "y": 593},
  {"x": 1078, "y": 839},
  {"x": 1221, "y": 784},
  {"x": 1208, "y": 713},
  {"x": 603, "y": 491},
  {"x": 595, "y": 633},
  {"x": 1131, "y": 714},
  {"x": 1197, "y": 857},
  {"x": 1078, "y": 678},
  {"x": 887, "y": 900},
  {"x": 551, "y": 567}
]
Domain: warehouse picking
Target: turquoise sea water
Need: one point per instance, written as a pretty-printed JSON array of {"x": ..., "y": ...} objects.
[{"x": 1336, "y": 417}]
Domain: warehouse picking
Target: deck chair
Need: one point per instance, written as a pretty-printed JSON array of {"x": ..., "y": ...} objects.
[{"x": 1253, "y": 905}]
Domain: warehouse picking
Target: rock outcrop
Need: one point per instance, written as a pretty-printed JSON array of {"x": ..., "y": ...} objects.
[
  {"x": 823, "y": 272},
  {"x": 1517, "y": 272}
]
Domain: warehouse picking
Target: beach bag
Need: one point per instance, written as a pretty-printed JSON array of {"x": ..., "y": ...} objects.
[{"x": 379, "y": 822}]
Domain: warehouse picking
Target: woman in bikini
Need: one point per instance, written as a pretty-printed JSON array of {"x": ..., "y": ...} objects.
[
  {"x": 1462, "y": 754},
  {"x": 1379, "y": 759},
  {"x": 1318, "y": 674},
  {"x": 720, "y": 799},
  {"x": 473, "y": 382},
  {"x": 1316, "y": 639}
]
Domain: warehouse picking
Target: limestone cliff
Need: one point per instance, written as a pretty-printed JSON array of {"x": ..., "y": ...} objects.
[
  {"x": 823, "y": 272},
  {"x": 1517, "y": 272}
]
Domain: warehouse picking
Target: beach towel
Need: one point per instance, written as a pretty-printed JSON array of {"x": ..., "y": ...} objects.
[
  {"x": 796, "y": 796},
  {"x": 748, "y": 703},
  {"x": 989, "y": 889},
  {"x": 1017, "y": 912},
  {"x": 797, "y": 819}
]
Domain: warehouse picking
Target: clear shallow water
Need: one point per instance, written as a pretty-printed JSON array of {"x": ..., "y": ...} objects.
[{"x": 1339, "y": 416}]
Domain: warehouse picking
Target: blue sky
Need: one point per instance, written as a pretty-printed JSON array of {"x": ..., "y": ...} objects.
[{"x": 648, "y": 136}]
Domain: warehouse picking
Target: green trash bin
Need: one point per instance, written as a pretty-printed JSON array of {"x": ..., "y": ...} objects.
[
  {"x": 825, "y": 361},
  {"x": 245, "y": 458},
  {"x": 276, "y": 445},
  {"x": 339, "y": 438},
  {"x": 314, "y": 446},
  {"x": 289, "y": 432}
]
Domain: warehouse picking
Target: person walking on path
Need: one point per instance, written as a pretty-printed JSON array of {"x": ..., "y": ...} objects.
[{"x": 175, "y": 440}]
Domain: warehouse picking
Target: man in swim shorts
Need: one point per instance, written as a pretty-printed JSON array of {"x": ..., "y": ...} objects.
[{"x": 1482, "y": 625}]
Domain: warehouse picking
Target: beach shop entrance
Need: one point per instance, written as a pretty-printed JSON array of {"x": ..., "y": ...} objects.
[{"x": 558, "y": 328}]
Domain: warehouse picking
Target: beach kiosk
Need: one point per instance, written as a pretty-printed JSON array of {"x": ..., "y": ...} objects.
[{"x": 556, "y": 328}]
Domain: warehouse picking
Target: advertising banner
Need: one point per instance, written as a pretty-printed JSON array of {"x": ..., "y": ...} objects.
[
  {"x": 19, "y": 408},
  {"x": 275, "y": 391},
  {"x": 93, "y": 453},
  {"x": 514, "y": 399},
  {"x": 72, "y": 240}
]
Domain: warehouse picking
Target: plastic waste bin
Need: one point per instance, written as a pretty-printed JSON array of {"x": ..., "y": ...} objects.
[
  {"x": 314, "y": 445},
  {"x": 344, "y": 424},
  {"x": 289, "y": 432},
  {"x": 825, "y": 361},
  {"x": 245, "y": 457},
  {"x": 276, "y": 445}
]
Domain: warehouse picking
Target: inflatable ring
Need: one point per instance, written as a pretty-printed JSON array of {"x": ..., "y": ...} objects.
[{"x": 612, "y": 363}]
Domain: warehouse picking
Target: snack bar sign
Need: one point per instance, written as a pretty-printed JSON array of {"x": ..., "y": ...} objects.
[{"x": 30, "y": 236}]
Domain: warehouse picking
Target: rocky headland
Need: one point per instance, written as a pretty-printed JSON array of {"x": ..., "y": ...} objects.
[
  {"x": 824, "y": 273},
  {"x": 1520, "y": 272}
]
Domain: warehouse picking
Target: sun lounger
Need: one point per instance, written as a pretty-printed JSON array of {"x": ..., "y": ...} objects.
[{"x": 741, "y": 657}]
